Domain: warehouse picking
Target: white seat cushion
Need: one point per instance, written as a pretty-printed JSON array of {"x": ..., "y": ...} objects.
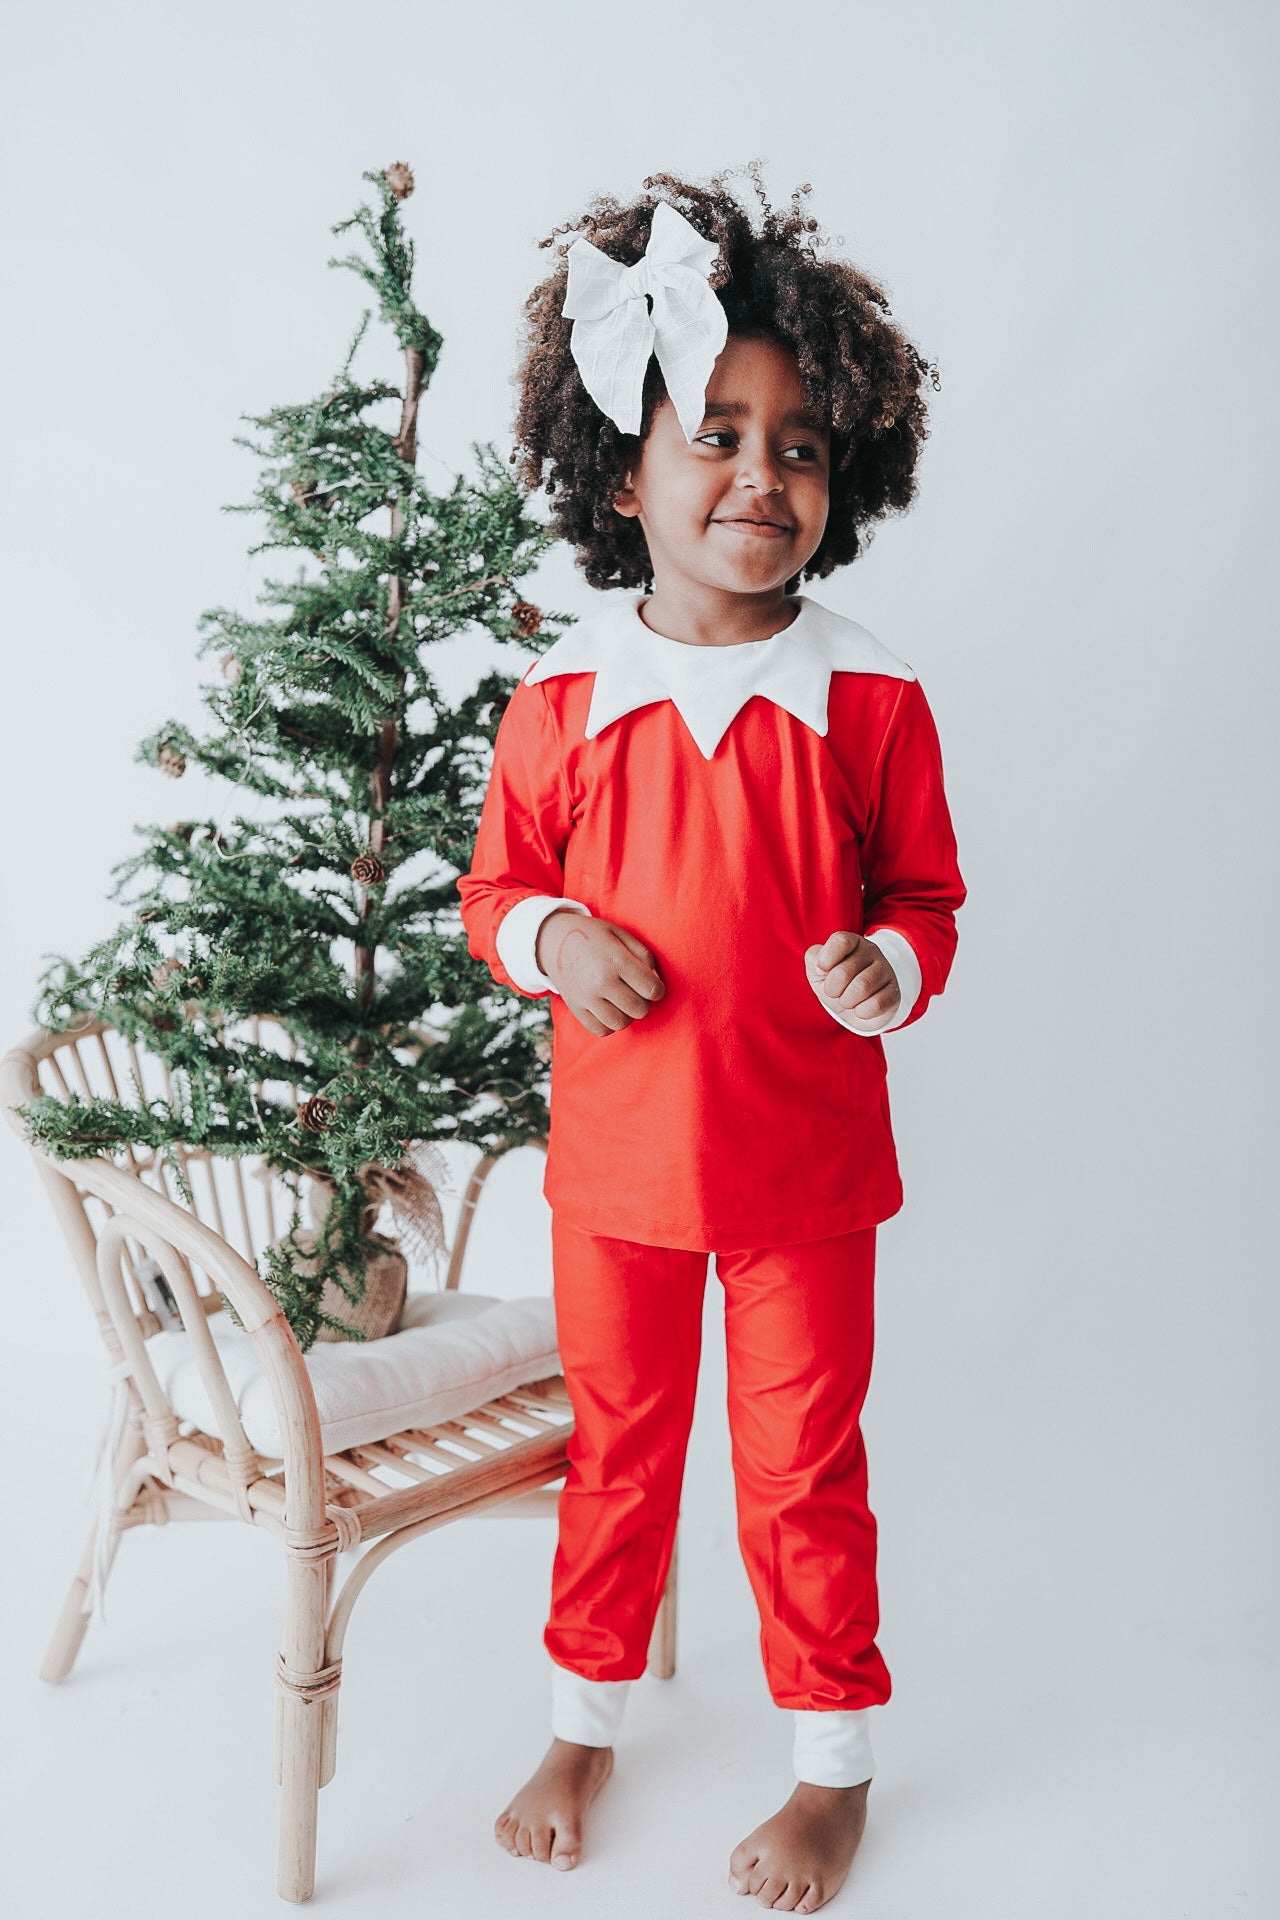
[{"x": 453, "y": 1351}]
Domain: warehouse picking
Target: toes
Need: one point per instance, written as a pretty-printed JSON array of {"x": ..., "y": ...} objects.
[
  {"x": 771, "y": 1888},
  {"x": 566, "y": 1846},
  {"x": 554, "y": 1846},
  {"x": 789, "y": 1901},
  {"x": 741, "y": 1861},
  {"x": 557, "y": 1846},
  {"x": 811, "y": 1901}
]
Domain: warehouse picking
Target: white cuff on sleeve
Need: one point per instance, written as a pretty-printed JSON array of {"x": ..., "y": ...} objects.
[
  {"x": 588, "y": 1712},
  {"x": 833, "y": 1749},
  {"x": 900, "y": 954},
  {"x": 517, "y": 938}
]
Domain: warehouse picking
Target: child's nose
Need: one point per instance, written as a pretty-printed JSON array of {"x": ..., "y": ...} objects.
[{"x": 759, "y": 467}]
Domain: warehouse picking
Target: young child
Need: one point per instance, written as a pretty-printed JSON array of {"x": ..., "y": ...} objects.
[{"x": 716, "y": 835}]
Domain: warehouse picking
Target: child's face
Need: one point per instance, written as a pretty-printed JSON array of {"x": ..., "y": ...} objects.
[{"x": 758, "y": 451}]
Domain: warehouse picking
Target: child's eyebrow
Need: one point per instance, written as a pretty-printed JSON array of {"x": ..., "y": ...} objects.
[{"x": 733, "y": 409}]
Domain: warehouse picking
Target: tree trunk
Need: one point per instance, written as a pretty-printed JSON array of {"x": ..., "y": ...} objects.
[{"x": 407, "y": 448}]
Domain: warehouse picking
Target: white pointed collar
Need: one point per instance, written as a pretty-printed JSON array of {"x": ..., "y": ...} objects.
[{"x": 634, "y": 666}]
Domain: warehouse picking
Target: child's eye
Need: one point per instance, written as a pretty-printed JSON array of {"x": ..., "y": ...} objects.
[{"x": 725, "y": 433}]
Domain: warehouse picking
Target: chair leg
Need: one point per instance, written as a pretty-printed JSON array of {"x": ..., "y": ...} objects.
[
  {"x": 662, "y": 1645},
  {"x": 329, "y": 1704},
  {"x": 305, "y": 1688},
  {"x": 73, "y": 1621},
  {"x": 300, "y": 1790}
]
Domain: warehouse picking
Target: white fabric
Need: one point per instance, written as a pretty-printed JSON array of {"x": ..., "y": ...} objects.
[
  {"x": 102, "y": 1489},
  {"x": 586, "y": 1711},
  {"x": 614, "y": 334},
  {"x": 828, "y": 1749},
  {"x": 709, "y": 686},
  {"x": 517, "y": 938},
  {"x": 832, "y": 1749},
  {"x": 453, "y": 1351}
]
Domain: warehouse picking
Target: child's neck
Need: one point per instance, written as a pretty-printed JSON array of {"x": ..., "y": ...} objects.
[{"x": 702, "y": 616}]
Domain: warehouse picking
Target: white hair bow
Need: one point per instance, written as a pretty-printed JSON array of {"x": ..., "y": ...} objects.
[{"x": 614, "y": 333}]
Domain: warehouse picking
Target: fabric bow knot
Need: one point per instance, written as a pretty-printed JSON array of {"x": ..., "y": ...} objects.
[{"x": 614, "y": 332}]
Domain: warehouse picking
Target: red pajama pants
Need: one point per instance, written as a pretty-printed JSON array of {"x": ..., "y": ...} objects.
[{"x": 798, "y": 1339}]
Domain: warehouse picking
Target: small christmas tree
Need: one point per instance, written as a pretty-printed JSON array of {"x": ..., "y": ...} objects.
[{"x": 334, "y": 912}]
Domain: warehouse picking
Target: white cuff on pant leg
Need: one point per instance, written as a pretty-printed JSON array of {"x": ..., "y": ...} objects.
[
  {"x": 586, "y": 1711},
  {"x": 833, "y": 1749}
]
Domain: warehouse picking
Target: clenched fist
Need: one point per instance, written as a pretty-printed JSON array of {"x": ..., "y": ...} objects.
[
  {"x": 606, "y": 976},
  {"x": 851, "y": 972}
]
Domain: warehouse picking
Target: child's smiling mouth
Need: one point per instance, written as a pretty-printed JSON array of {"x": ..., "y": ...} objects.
[{"x": 756, "y": 528}]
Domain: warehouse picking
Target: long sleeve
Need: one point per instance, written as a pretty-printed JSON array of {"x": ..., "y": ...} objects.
[
  {"x": 519, "y": 851},
  {"x": 912, "y": 885}
]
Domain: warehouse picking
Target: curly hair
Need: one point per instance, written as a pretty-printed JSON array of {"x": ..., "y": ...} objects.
[{"x": 858, "y": 368}]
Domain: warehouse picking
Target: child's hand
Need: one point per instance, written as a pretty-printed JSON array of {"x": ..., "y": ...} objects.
[
  {"x": 851, "y": 972},
  {"x": 605, "y": 976}
]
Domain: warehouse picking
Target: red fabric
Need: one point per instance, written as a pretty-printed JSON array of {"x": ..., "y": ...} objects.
[
  {"x": 799, "y": 1331},
  {"x": 735, "y": 1113}
]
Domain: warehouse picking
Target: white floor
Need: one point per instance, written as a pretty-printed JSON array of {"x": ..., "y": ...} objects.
[
  {"x": 1008, "y": 1785},
  {"x": 1071, "y": 1733}
]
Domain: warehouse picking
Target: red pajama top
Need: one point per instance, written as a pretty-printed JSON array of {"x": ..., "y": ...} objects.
[{"x": 731, "y": 806}]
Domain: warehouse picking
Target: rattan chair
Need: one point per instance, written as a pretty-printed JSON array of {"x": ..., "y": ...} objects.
[{"x": 120, "y": 1214}]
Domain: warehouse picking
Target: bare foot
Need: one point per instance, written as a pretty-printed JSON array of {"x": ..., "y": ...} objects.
[
  {"x": 545, "y": 1818},
  {"x": 797, "y": 1861}
]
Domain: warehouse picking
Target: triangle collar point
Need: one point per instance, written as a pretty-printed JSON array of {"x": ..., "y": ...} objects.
[{"x": 709, "y": 686}]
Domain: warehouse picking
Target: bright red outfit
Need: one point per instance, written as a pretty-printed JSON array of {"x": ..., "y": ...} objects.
[
  {"x": 731, "y": 806},
  {"x": 735, "y": 1113},
  {"x": 798, "y": 1345}
]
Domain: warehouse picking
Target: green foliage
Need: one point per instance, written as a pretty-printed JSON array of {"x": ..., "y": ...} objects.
[{"x": 325, "y": 715}]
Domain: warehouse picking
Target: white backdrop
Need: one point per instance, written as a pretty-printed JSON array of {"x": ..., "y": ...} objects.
[{"x": 1070, "y": 1428}]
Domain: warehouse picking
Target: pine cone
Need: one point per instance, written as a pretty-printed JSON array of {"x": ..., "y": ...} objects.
[
  {"x": 162, "y": 974},
  {"x": 527, "y": 617},
  {"x": 317, "y": 1112},
  {"x": 231, "y": 668},
  {"x": 399, "y": 179},
  {"x": 368, "y": 870},
  {"x": 170, "y": 761},
  {"x": 147, "y": 913},
  {"x": 163, "y": 1022},
  {"x": 542, "y": 1047}
]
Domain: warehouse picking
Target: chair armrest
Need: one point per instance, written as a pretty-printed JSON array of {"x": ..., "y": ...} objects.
[{"x": 178, "y": 1240}]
